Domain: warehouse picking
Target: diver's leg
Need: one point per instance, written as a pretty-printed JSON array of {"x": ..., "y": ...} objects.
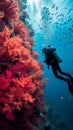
[
  {"x": 56, "y": 74},
  {"x": 60, "y": 71}
]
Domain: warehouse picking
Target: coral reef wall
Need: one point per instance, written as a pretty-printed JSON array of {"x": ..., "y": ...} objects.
[{"x": 21, "y": 84}]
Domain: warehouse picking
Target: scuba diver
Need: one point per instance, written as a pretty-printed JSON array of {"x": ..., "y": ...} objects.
[{"x": 53, "y": 60}]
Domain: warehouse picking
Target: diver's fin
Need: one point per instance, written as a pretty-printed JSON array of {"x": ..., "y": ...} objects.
[{"x": 70, "y": 86}]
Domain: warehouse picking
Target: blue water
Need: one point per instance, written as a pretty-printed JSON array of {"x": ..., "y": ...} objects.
[
  {"x": 56, "y": 89},
  {"x": 58, "y": 33}
]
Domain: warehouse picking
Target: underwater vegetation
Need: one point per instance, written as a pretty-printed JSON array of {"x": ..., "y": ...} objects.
[{"x": 21, "y": 83}]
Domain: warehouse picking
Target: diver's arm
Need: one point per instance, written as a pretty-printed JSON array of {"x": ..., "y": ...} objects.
[
  {"x": 47, "y": 64},
  {"x": 48, "y": 67}
]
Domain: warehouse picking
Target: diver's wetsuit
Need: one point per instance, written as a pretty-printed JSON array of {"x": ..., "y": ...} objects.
[
  {"x": 56, "y": 68},
  {"x": 53, "y": 60}
]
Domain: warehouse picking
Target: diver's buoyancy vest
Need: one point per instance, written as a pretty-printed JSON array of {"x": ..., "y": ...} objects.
[{"x": 52, "y": 56}]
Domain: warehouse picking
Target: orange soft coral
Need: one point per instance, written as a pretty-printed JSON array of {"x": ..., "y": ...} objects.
[
  {"x": 31, "y": 65},
  {"x": 27, "y": 45},
  {"x": 5, "y": 34},
  {"x": 14, "y": 49},
  {"x": 9, "y": 9},
  {"x": 38, "y": 74},
  {"x": 25, "y": 83},
  {"x": 15, "y": 93},
  {"x": 27, "y": 98},
  {"x": 21, "y": 30},
  {"x": 34, "y": 54},
  {"x": 1, "y": 14}
]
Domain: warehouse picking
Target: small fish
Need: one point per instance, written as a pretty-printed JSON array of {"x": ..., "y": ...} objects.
[
  {"x": 65, "y": 8},
  {"x": 65, "y": 22},
  {"x": 57, "y": 8},
  {"x": 62, "y": 97},
  {"x": 34, "y": 21},
  {"x": 52, "y": 14},
  {"x": 40, "y": 27},
  {"x": 53, "y": 5},
  {"x": 70, "y": 29}
]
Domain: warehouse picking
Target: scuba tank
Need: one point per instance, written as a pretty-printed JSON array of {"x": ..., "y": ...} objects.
[{"x": 52, "y": 55}]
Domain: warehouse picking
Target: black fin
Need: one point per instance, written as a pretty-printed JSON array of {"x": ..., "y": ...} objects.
[{"x": 70, "y": 86}]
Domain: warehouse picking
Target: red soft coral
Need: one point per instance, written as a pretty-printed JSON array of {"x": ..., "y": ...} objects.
[
  {"x": 18, "y": 70},
  {"x": 27, "y": 98},
  {"x": 15, "y": 50},
  {"x": 31, "y": 65},
  {"x": 27, "y": 45},
  {"x": 1, "y": 14},
  {"x": 21, "y": 78},
  {"x": 9, "y": 9},
  {"x": 35, "y": 54},
  {"x": 5, "y": 34},
  {"x": 5, "y": 79},
  {"x": 2, "y": 25},
  {"x": 21, "y": 30},
  {"x": 26, "y": 83}
]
